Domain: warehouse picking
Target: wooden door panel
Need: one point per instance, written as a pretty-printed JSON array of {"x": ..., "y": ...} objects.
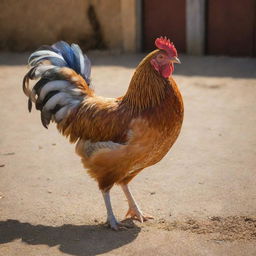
[
  {"x": 164, "y": 18},
  {"x": 230, "y": 28}
]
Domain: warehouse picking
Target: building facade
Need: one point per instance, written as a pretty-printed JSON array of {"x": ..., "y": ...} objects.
[{"x": 197, "y": 27}]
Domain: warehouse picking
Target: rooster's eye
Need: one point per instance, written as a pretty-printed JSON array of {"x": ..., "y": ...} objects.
[{"x": 160, "y": 57}]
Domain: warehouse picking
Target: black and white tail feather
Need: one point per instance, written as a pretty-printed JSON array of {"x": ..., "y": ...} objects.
[{"x": 53, "y": 94}]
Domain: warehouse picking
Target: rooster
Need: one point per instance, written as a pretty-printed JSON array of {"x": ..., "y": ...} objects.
[{"x": 116, "y": 138}]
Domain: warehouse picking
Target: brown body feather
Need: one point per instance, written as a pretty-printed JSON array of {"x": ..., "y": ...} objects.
[{"x": 117, "y": 138}]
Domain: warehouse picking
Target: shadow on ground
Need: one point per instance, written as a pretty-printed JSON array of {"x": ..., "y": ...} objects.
[
  {"x": 209, "y": 66},
  {"x": 72, "y": 239},
  {"x": 206, "y": 66}
]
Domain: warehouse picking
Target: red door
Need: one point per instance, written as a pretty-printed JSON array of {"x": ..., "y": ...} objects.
[
  {"x": 231, "y": 27},
  {"x": 164, "y": 18}
]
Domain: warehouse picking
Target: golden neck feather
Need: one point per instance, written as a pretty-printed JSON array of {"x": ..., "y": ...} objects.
[{"x": 147, "y": 88}]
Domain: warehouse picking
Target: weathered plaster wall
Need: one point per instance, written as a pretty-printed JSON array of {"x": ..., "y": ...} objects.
[{"x": 27, "y": 24}]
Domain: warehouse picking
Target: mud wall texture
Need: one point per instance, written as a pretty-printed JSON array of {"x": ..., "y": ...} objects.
[{"x": 27, "y": 24}]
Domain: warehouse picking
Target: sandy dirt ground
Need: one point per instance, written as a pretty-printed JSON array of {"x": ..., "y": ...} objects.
[{"x": 202, "y": 194}]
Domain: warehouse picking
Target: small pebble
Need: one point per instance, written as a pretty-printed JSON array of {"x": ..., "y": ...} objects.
[
  {"x": 214, "y": 218},
  {"x": 9, "y": 154},
  {"x": 218, "y": 241},
  {"x": 248, "y": 219},
  {"x": 196, "y": 226},
  {"x": 190, "y": 222}
]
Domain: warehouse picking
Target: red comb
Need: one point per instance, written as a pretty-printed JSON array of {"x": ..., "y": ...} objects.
[{"x": 164, "y": 43}]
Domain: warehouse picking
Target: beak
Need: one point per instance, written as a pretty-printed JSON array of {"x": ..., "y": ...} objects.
[{"x": 175, "y": 60}]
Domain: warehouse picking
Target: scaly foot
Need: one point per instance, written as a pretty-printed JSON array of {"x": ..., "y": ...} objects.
[
  {"x": 136, "y": 214},
  {"x": 111, "y": 220}
]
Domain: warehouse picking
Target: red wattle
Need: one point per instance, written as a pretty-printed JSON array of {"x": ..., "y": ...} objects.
[{"x": 167, "y": 70}]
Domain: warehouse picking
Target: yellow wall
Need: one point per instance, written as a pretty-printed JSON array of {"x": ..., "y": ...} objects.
[{"x": 27, "y": 24}]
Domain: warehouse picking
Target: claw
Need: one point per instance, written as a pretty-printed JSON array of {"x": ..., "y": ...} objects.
[
  {"x": 136, "y": 214},
  {"x": 134, "y": 211}
]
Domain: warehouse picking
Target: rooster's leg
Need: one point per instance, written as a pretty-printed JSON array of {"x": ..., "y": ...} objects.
[
  {"x": 134, "y": 210},
  {"x": 111, "y": 219}
]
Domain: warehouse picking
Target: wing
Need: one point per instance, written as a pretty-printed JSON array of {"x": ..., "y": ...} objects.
[{"x": 97, "y": 119}]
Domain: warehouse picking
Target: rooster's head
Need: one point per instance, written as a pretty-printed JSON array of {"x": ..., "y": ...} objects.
[{"x": 164, "y": 59}]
